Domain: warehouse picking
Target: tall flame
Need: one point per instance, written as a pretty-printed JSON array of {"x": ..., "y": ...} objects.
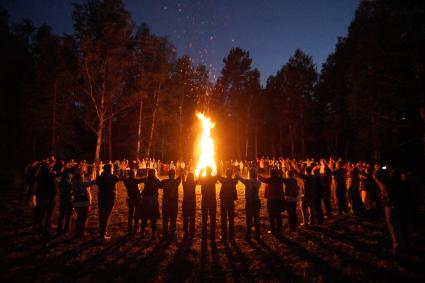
[{"x": 205, "y": 147}]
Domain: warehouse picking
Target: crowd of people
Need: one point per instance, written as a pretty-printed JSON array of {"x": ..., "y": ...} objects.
[{"x": 320, "y": 188}]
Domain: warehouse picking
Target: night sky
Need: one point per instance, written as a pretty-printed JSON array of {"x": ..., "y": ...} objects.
[{"x": 207, "y": 29}]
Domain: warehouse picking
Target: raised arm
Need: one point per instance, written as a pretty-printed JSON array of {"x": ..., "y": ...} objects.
[
  {"x": 264, "y": 180},
  {"x": 220, "y": 178},
  {"x": 162, "y": 184},
  {"x": 140, "y": 180},
  {"x": 240, "y": 178},
  {"x": 179, "y": 179},
  {"x": 89, "y": 183}
]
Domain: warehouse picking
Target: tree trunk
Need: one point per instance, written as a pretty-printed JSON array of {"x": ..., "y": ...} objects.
[
  {"x": 53, "y": 145},
  {"x": 302, "y": 128},
  {"x": 256, "y": 140},
  {"x": 148, "y": 150},
  {"x": 98, "y": 144},
  {"x": 139, "y": 128},
  {"x": 152, "y": 130},
  {"x": 247, "y": 132},
  {"x": 291, "y": 140},
  {"x": 181, "y": 131},
  {"x": 336, "y": 145},
  {"x": 162, "y": 147},
  {"x": 422, "y": 115},
  {"x": 280, "y": 140},
  {"x": 99, "y": 130},
  {"x": 109, "y": 138},
  {"x": 375, "y": 136},
  {"x": 238, "y": 140},
  {"x": 34, "y": 148},
  {"x": 246, "y": 140}
]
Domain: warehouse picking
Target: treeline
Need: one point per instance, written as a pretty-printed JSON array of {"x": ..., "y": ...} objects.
[{"x": 113, "y": 89}]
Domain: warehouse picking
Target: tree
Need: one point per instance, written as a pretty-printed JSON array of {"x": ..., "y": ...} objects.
[
  {"x": 103, "y": 33},
  {"x": 158, "y": 63},
  {"x": 16, "y": 72},
  {"x": 233, "y": 87},
  {"x": 48, "y": 100},
  {"x": 293, "y": 90},
  {"x": 373, "y": 83},
  {"x": 182, "y": 86}
]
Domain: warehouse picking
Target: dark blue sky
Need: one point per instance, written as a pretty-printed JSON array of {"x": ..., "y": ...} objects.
[{"x": 270, "y": 30}]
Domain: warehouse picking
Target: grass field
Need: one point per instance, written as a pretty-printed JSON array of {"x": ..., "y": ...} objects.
[{"x": 344, "y": 249}]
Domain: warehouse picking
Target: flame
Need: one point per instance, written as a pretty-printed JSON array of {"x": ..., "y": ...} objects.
[{"x": 205, "y": 147}]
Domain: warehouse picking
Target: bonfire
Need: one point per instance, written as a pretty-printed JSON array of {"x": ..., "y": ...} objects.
[{"x": 205, "y": 147}]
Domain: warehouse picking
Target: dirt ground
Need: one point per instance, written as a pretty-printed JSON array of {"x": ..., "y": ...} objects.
[{"x": 344, "y": 249}]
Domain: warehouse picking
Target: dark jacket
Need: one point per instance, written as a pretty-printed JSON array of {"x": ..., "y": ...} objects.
[
  {"x": 171, "y": 190},
  {"x": 309, "y": 189},
  {"x": 189, "y": 193},
  {"x": 133, "y": 193},
  {"x": 208, "y": 189},
  {"x": 46, "y": 186},
  {"x": 228, "y": 191},
  {"x": 252, "y": 187},
  {"x": 107, "y": 186},
  {"x": 275, "y": 188}
]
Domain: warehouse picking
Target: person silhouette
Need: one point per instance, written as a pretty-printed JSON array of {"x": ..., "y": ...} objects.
[
  {"x": 252, "y": 202},
  {"x": 208, "y": 203},
  {"x": 228, "y": 195},
  {"x": 170, "y": 199},
  {"x": 189, "y": 205}
]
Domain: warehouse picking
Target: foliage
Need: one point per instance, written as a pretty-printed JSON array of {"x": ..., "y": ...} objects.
[{"x": 110, "y": 86}]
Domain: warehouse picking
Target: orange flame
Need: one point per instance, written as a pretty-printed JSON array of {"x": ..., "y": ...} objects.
[{"x": 205, "y": 147}]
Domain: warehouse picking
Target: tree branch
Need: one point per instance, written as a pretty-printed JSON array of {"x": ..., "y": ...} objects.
[{"x": 91, "y": 89}]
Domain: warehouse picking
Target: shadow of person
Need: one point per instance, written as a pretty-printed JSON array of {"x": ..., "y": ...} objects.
[
  {"x": 325, "y": 269},
  {"x": 146, "y": 268},
  {"x": 239, "y": 263},
  {"x": 217, "y": 270},
  {"x": 33, "y": 246},
  {"x": 181, "y": 267},
  {"x": 204, "y": 256},
  {"x": 364, "y": 264},
  {"x": 360, "y": 245},
  {"x": 41, "y": 266},
  {"x": 274, "y": 262}
]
